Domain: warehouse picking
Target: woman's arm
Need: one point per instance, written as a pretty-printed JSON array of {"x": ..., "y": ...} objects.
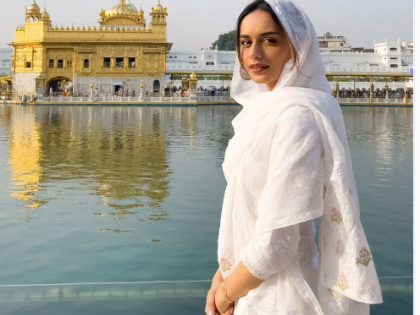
[
  {"x": 217, "y": 280},
  {"x": 238, "y": 284},
  {"x": 210, "y": 302},
  {"x": 267, "y": 254}
]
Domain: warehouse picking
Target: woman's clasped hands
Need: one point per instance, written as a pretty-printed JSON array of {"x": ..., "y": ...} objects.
[{"x": 216, "y": 301}]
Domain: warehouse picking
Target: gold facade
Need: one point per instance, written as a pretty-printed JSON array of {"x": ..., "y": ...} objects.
[{"x": 120, "y": 47}]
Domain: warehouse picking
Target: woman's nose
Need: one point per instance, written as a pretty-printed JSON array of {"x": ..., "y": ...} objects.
[{"x": 255, "y": 52}]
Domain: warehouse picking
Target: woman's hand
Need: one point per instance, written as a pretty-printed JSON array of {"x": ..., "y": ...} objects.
[
  {"x": 210, "y": 302},
  {"x": 222, "y": 305},
  {"x": 229, "y": 311}
]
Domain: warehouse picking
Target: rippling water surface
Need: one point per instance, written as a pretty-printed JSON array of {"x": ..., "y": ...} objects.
[{"x": 91, "y": 196}]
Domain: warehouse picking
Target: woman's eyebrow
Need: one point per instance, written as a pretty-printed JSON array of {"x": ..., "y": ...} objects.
[
  {"x": 261, "y": 35},
  {"x": 269, "y": 33}
]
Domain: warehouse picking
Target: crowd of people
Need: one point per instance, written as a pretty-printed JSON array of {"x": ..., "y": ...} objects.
[{"x": 376, "y": 93}]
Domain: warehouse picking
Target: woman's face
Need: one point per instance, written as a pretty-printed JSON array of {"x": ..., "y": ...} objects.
[{"x": 264, "y": 48}]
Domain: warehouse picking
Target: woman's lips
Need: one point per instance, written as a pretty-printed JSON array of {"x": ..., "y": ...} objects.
[{"x": 258, "y": 68}]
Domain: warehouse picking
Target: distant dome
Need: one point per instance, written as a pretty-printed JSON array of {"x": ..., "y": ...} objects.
[
  {"x": 122, "y": 9},
  {"x": 34, "y": 9},
  {"x": 45, "y": 16},
  {"x": 158, "y": 7}
]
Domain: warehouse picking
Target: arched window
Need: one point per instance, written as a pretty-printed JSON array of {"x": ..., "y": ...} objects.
[
  {"x": 86, "y": 63},
  {"x": 156, "y": 86}
]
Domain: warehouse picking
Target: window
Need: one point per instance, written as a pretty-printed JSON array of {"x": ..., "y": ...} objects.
[
  {"x": 341, "y": 44},
  {"x": 69, "y": 63},
  {"x": 28, "y": 64},
  {"x": 190, "y": 57},
  {"x": 170, "y": 57},
  {"x": 119, "y": 62},
  {"x": 86, "y": 63},
  {"x": 107, "y": 63},
  {"x": 210, "y": 63},
  {"x": 210, "y": 56},
  {"x": 395, "y": 59},
  {"x": 394, "y": 66},
  {"x": 195, "y": 57},
  {"x": 60, "y": 64},
  {"x": 393, "y": 49},
  {"x": 176, "y": 57},
  {"x": 132, "y": 63},
  {"x": 51, "y": 63}
]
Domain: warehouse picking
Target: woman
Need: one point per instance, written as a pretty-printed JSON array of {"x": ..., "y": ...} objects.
[{"x": 287, "y": 165}]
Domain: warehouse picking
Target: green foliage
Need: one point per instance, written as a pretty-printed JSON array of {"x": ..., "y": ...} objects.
[{"x": 226, "y": 41}]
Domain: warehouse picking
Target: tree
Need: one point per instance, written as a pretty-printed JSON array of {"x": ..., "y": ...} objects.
[{"x": 226, "y": 41}]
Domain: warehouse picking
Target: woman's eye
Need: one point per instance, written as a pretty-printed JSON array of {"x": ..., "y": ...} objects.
[
  {"x": 269, "y": 40},
  {"x": 245, "y": 42}
]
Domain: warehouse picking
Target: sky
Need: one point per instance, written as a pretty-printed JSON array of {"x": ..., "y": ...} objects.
[{"x": 193, "y": 24}]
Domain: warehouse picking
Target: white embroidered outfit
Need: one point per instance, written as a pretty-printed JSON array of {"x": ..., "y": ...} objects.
[{"x": 288, "y": 164}]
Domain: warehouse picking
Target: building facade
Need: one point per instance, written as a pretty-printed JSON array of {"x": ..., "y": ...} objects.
[
  {"x": 5, "y": 61},
  {"x": 121, "y": 53},
  {"x": 328, "y": 42},
  {"x": 385, "y": 57}
]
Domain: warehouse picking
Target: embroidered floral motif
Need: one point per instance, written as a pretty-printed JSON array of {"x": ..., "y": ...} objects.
[
  {"x": 364, "y": 258},
  {"x": 342, "y": 282},
  {"x": 339, "y": 249},
  {"x": 225, "y": 265},
  {"x": 368, "y": 291},
  {"x": 333, "y": 293},
  {"x": 336, "y": 216}
]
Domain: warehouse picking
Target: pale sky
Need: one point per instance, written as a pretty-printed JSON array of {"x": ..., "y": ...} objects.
[{"x": 196, "y": 23}]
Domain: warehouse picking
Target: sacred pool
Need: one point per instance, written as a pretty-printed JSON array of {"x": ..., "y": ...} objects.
[{"x": 108, "y": 210}]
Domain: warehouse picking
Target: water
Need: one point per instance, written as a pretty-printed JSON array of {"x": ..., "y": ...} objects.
[{"x": 100, "y": 203}]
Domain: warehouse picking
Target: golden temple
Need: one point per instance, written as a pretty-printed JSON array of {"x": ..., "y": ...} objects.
[{"x": 120, "y": 53}]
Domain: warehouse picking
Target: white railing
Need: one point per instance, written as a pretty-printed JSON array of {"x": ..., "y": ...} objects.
[
  {"x": 199, "y": 99},
  {"x": 116, "y": 100}
]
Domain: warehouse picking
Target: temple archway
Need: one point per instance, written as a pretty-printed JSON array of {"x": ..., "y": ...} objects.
[
  {"x": 57, "y": 84},
  {"x": 156, "y": 86}
]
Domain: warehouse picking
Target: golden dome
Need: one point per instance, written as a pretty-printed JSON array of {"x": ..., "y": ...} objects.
[
  {"x": 193, "y": 76},
  {"x": 123, "y": 9},
  {"x": 158, "y": 6},
  {"x": 34, "y": 9},
  {"x": 45, "y": 16}
]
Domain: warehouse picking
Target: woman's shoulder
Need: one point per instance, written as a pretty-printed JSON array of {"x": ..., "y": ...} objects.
[{"x": 298, "y": 118}]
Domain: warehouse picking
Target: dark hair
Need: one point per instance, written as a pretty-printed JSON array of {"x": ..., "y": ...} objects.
[{"x": 261, "y": 5}]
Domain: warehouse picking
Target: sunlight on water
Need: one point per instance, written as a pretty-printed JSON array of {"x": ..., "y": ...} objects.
[{"x": 127, "y": 196}]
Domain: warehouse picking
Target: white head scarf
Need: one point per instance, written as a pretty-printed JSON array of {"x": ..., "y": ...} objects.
[
  {"x": 303, "y": 37},
  {"x": 348, "y": 270}
]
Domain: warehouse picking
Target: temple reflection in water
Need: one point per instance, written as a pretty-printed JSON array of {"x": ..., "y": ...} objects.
[{"x": 117, "y": 154}]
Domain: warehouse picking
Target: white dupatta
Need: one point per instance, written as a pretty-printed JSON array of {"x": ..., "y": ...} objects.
[{"x": 346, "y": 268}]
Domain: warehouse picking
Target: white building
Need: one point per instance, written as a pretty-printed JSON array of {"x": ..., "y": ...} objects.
[
  {"x": 329, "y": 42},
  {"x": 5, "y": 61},
  {"x": 385, "y": 57}
]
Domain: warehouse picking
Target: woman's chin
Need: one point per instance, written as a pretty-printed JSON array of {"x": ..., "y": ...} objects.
[{"x": 260, "y": 79}]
